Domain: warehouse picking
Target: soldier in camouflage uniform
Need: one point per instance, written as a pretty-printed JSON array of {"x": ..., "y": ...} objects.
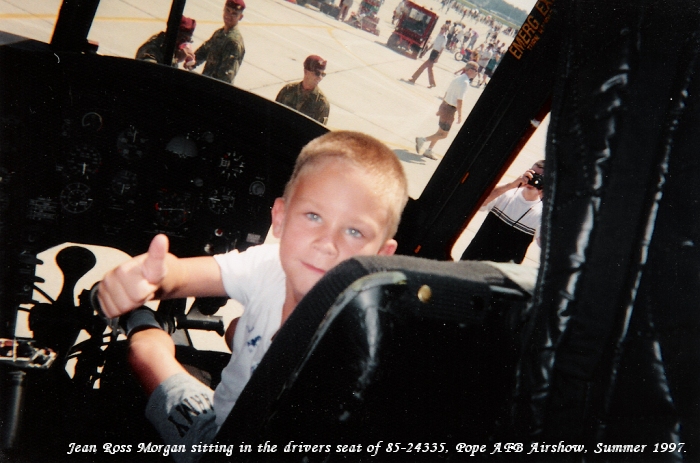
[
  {"x": 224, "y": 51},
  {"x": 154, "y": 48},
  {"x": 305, "y": 96}
]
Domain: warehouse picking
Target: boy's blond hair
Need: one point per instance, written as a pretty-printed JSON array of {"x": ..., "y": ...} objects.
[{"x": 368, "y": 154}]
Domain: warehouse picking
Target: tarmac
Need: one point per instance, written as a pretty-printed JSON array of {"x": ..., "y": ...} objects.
[{"x": 363, "y": 83}]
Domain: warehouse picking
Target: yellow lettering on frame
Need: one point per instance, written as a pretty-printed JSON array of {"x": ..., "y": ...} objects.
[{"x": 544, "y": 7}]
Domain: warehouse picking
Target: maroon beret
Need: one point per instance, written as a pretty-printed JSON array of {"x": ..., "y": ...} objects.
[
  {"x": 235, "y": 4},
  {"x": 187, "y": 24},
  {"x": 315, "y": 63}
]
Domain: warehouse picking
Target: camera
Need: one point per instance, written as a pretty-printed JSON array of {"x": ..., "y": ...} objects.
[{"x": 537, "y": 181}]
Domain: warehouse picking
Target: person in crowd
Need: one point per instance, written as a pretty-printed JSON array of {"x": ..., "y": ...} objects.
[
  {"x": 305, "y": 96},
  {"x": 344, "y": 199},
  {"x": 154, "y": 48},
  {"x": 345, "y": 6},
  {"x": 472, "y": 39},
  {"x": 483, "y": 59},
  {"x": 451, "y": 31},
  {"x": 451, "y": 104},
  {"x": 515, "y": 214},
  {"x": 490, "y": 68},
  {"x": 224, "y": 51},
  {"x": 459, "y": 37},
  {"x": 438, "y": 45}
]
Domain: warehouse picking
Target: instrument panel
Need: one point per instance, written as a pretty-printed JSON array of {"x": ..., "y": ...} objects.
[
  {"x": 126, "y": 173},
  {"x": 120, "y": 175}
]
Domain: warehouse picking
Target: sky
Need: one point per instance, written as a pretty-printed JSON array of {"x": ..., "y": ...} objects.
[{"x": 522, "y": 4}]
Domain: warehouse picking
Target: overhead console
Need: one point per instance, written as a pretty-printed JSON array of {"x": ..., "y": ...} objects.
[{"x": 112, "y": 151}]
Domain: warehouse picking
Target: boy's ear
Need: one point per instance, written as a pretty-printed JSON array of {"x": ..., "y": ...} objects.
[
  {"x": 278, "y": 211},
  {"x": 389, "y": 248}
]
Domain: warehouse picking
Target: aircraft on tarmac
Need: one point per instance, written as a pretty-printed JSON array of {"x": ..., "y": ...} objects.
[{"x": 421, "y": 358}]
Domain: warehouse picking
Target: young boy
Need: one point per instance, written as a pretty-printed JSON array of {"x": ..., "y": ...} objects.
[{"x": 345, "y": 198}]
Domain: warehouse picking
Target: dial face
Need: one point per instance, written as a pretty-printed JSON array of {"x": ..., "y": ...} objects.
[
  {"x": 231, "y": 165},
  {"x": 91, "y": 121},
  {"x": 83, "y": 161},
  {"x": 131, "y": 143},
  {"x": 257, "y": 188},
  {"x": 221, "y": 201},
  {"x": 76, "y": 198},
  {"x": 123, "y": 182},
  {"x": 207, "y": 137},
  {"x": 172, "y": 208}
]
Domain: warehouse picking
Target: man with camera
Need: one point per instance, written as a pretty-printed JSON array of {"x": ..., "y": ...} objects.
[{"x": 515, "y": 212}]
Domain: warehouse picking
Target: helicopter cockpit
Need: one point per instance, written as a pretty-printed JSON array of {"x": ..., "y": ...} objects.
[{"x": 589, "y": 351}]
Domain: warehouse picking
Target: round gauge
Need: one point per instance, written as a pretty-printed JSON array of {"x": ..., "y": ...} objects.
[
  {"x": 123, "y": 183},
  {"x": 75, "y": 198},
  {"x": 182, "y": 146},
  {"x": 92, "y": 121},
  {"x": 257, "y": 188},
  {"x": 231, "y": 165},
  {"x": 83, "y": 160},
  {"x": 131, "y": 143},
  {"x": 221, "y": 201},
  {"x": 207, "y": 137},
  {"x": 172, "y": 208}
]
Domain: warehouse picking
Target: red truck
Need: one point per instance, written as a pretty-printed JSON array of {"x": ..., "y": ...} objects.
[{"x": 413, "y": 29}]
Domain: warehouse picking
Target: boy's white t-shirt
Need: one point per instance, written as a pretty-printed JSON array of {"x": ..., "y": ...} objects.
[{"x": 255, "y": 279}]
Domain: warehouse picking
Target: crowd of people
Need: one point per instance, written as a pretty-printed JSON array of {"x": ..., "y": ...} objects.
[
  {"x": 456, "y": 36},
  {"x": 487, "y": 54}
]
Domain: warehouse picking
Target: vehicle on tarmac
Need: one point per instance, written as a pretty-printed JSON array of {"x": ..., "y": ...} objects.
[
  {"x": 413, "y": 30},
  {"x": 389, "y": 358},
  {"x": 365, "y": 17}
]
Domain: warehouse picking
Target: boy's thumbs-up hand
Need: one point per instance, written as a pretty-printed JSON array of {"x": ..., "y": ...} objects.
[
  {"x": 135, "y": 282},
  {"x": 153, "y": 268}
]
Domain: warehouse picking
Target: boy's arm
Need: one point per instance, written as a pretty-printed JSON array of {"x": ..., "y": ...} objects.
[
  {"x": 152, "y": 357},
  {"x": 158, "y": 275}
]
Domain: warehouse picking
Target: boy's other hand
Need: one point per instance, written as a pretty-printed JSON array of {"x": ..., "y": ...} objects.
[{"x": 135, "y": 282}]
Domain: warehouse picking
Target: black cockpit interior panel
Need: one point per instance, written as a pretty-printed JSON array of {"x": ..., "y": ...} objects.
[{"x": 111, "y": 151}]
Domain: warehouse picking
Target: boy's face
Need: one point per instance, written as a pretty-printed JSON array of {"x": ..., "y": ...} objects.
[{"x": 331, "y": 215}]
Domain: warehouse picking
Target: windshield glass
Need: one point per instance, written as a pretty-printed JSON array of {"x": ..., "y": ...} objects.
[
  {"x": 375, "y": 78},
  {"x": 366, "y": 81}
]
